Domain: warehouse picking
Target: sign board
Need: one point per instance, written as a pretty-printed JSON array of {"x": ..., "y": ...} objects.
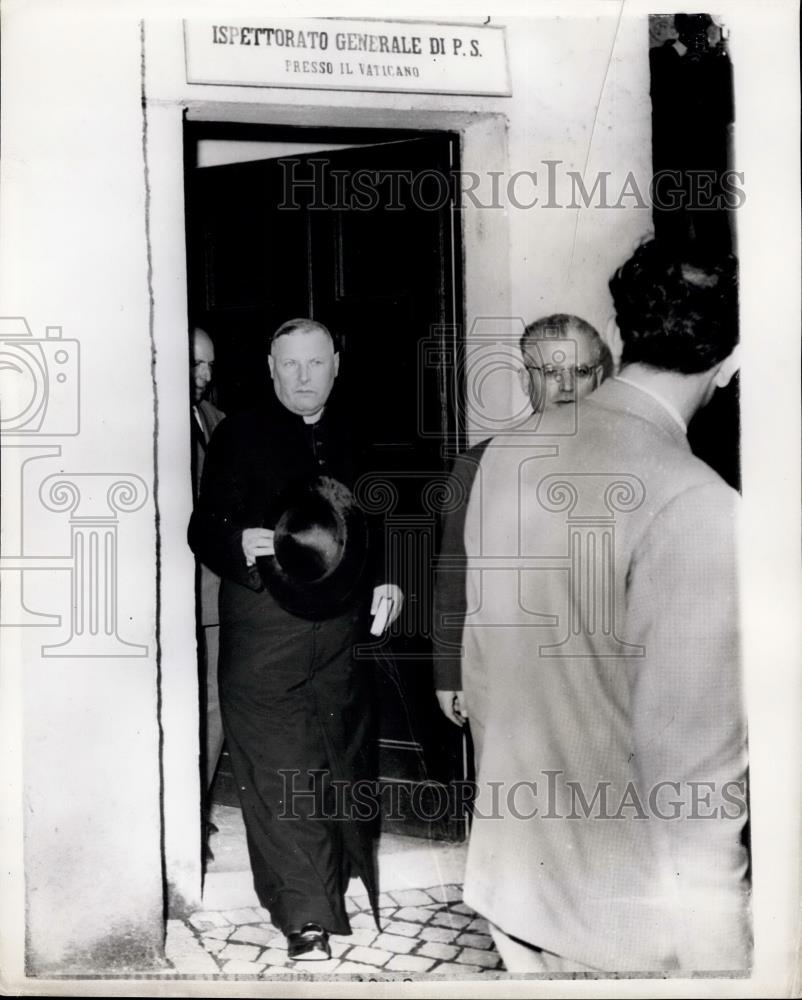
[{"x": 346, "y": 54}]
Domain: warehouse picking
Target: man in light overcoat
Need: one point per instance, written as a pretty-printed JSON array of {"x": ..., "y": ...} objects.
[{"x": 600, "y": 666}]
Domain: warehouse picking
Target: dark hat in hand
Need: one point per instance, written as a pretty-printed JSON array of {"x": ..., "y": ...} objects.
[{"x": 320, "y": 543}]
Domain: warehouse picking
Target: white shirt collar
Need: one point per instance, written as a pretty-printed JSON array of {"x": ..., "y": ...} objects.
[{"x": 668, "y": 407}]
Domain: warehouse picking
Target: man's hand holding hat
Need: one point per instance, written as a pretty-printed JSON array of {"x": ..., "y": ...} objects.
[{"x": 256, "y": 542}]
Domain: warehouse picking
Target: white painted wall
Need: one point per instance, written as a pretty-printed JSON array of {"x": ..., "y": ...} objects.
[{"x": 73, "y": 254}]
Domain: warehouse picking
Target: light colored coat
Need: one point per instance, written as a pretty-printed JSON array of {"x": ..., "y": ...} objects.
[{"x": 602, "y": 676}]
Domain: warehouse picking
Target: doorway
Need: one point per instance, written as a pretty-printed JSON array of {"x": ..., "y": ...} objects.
[{"x": 359, "y": 229}]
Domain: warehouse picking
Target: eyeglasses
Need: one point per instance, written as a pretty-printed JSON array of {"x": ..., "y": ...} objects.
[{"x": 556, "y": 374}]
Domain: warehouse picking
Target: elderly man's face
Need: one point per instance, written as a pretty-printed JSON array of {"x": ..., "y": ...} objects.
[
  {"x": 558, "y": 372},
  {"x": 202, "y": 364},
  {"x": 303, "y": 367}
]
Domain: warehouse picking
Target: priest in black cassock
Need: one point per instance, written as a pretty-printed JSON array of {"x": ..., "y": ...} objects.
[{"x": 295, "y": 702}]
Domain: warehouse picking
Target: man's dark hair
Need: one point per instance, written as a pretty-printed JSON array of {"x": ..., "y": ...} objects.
[
  {"x": 558, "y": 326},
  {"x": 303, "y": 326},
  {"x": 676, "y": 311}
]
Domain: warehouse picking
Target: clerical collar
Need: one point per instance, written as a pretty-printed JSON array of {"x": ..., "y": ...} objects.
[
  {"x": 314, "y": 418},
  {"x": 668, "y": 407}
]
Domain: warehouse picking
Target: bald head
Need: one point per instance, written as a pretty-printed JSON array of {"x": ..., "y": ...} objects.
[{"x": 202, "y": 367}]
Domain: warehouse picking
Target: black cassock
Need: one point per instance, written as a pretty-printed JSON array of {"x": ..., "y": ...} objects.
[{"x": 296, "y": 706}]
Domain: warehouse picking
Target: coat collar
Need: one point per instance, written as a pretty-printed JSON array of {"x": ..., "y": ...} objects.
[{"x": 625, "y": 398}]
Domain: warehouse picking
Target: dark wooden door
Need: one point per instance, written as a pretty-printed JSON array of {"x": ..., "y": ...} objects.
[{"x": 366, "y": 240}]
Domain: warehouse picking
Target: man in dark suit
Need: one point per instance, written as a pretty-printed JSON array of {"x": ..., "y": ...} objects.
[
  {"x": 296, "y": 705},
  {"x": 205, "y": 418}
]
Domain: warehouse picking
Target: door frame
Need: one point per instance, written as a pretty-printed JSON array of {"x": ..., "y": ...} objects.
[
  {"x": 486, "y": 293},
  {"x": 419, "y": 753},
  {"x": 454, "y": 430}
]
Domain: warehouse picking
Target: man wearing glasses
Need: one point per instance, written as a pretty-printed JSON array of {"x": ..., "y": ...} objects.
[{"x": 565, "y": 359}]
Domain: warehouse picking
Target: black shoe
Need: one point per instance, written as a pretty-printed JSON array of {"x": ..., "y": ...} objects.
[{"x": 309, "y": 944}]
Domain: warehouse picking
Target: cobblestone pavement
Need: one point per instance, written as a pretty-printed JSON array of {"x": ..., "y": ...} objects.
[{"x": 424, "y": 932}]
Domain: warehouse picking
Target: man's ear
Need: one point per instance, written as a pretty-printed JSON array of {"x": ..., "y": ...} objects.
[
  {"x": 523, "y": 376},
  {"x": 270, "y": 364},
  {"x": 336, "y": 363},
  {"x": 728, "y": 367}
]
